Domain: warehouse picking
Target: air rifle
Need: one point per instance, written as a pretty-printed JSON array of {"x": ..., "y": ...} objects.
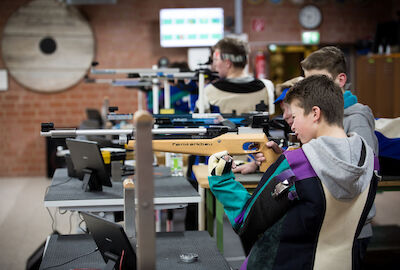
[
  {"x": 237, "y": 142},
  {"x": 196, "y": 141},
  {"x": 145, "y": 78}
]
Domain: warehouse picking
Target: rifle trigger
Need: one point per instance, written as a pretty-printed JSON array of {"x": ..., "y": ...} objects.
[{"x": 252, "y": 146}]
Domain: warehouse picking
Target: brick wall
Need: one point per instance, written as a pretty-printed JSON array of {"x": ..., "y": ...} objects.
[{"x": 127, "y": 36}]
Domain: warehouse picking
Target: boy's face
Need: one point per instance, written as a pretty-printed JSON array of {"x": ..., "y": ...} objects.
[
  {"x": 287, "y": 113},
  {"x": 303, "y": 125},
  {"x": 219, "y": 65}
]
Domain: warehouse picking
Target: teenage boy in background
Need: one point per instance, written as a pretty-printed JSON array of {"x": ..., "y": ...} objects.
[
  {"x": 330, "y": 61},
  {"x": 311, "y": 204}
]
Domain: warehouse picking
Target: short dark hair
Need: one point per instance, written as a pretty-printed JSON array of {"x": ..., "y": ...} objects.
[
  {"x": 321, "y": 91},
  {"x": 234, "y": 50},
  {"x": 330, "y": 58}
]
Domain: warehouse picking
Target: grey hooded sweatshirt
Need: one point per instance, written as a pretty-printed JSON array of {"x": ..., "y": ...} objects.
[
  {"x": 335, "y": 161},
  {"x": 358, "y": 118}
]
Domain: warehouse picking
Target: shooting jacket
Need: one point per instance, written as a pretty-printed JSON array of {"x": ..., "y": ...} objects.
[
  {"x": 309, "y": 207},
  {"x": 239, "y": 94}
]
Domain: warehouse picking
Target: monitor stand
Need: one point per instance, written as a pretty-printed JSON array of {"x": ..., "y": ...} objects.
[{"x": 90, "y": 181}]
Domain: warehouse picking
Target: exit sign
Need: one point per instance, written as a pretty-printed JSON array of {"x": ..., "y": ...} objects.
[{"x": 310, "y": 37}]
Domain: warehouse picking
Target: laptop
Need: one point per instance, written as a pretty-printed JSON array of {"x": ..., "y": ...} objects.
[
  {"x": 88, "y": 164},
  {"x": 112, "y": 242}
]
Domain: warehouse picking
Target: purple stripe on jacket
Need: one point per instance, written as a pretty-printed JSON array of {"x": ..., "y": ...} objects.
[
  {"x": 376, "y": 163},
  {"x": 285, "y": 175},
  {"x": 299, "y": 164},
  {"x": 239, "y": 218}
]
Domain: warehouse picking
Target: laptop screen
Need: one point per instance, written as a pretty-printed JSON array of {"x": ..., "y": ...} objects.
[
  {"x": 86, "y": 155},
  {"x": 112, "y": 241}
]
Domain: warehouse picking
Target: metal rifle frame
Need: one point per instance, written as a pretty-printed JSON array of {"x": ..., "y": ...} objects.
[{"x": 151, "y": 77}]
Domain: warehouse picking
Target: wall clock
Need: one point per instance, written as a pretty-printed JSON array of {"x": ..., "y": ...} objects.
[{"x": 310, "y": 17}]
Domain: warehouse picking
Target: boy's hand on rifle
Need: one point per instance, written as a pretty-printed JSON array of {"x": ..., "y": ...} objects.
[
  {"x": 251, "y": 167},
  {"x": 271, "y": 144},
  {"x": 220, "y": 163}
]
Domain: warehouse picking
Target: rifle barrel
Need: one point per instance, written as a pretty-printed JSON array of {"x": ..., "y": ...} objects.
[{"x": 63, "y": 133}]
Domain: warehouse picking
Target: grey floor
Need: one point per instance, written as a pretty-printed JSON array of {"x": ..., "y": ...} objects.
[{"x": 25, "y": 223}]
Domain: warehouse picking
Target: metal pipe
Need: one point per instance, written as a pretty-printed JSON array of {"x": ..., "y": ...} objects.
[
  {"x": 238, "y": 17},
  {"x": 201, "y": 92},
  {"x": 167, "y": 95},
  {"x": 143, "y": 71},
  {"x": 63, "y": 133},
  {"x": 140, "y": 100},
  {"x": 155, "y": 92}
]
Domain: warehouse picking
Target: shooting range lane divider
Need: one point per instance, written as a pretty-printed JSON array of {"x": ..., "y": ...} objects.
[{"x": 144, "y": 192}]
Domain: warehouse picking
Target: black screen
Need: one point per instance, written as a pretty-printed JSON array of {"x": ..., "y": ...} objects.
[
  {"x": 86, "y": 155},
  {"x": 111, "y": 238}
]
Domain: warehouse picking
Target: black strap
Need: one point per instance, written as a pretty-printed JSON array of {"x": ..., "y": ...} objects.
[{"x": 363, "y": 154}]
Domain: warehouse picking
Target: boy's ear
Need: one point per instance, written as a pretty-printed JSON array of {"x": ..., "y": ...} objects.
[
  {"x": 316, "y": 111},
  {"x": 229, "y": 63},
  {"x": 341, "y": 79}
]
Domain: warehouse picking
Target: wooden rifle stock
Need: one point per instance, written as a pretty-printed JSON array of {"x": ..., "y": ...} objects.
[{"x": 235, "y": 144}]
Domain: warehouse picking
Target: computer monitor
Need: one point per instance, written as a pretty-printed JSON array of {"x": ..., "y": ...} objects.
[
  {"x": 88, "y": 164},
  {"x": 112, "y": 242}
]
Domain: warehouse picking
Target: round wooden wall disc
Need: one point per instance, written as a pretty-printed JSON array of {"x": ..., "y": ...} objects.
[{"x": 47, "y": 46}]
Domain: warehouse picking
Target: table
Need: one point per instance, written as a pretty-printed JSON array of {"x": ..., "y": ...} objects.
[
  {"x": 66, "y": 193},
  {"x": 389, "y": 183},
  {"x": 62, "y": 248},
  {"x": 249, "y": 181}
]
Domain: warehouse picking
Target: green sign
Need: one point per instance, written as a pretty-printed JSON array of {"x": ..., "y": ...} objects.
[{"x": 310, "y": 37}]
